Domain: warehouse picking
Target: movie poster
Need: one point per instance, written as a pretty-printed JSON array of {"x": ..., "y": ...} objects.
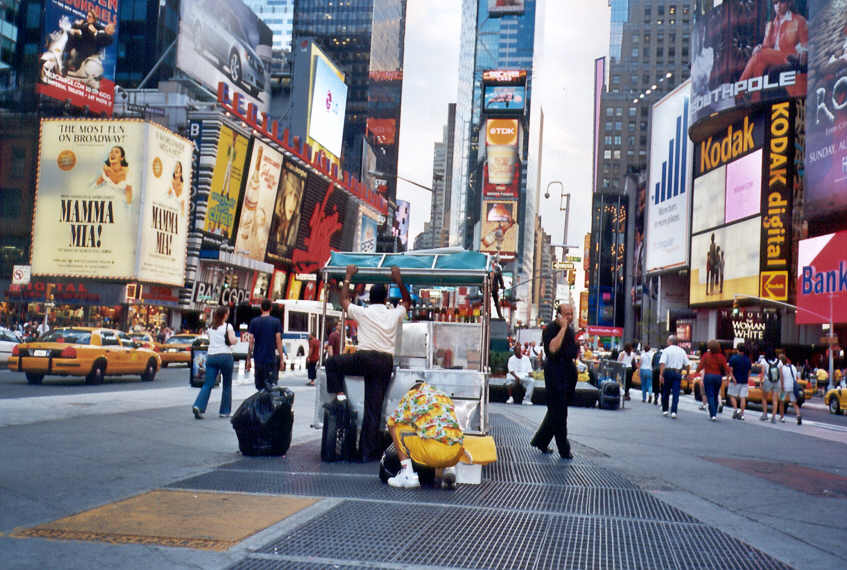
[
  {"x": 226, "y": 183},
  {"x": 161, "y": 256},
  {"x": 286, "y": 214},
  {"x": 367, "y": 237},
  {"x": 80, "y": 52},
  {"x": 257, "y": 204},
  {"x": 88, "y": 199},
  {"x": 324, "y": 213}
]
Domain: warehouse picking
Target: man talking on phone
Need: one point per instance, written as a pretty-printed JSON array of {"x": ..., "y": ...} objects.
[{"x": 560, "y": 378}]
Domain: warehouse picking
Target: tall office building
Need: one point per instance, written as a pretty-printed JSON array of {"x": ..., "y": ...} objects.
[
  {"x": 491, "y": 207},
  {"x": 8, "y": 40},
  {"x": 279, "y": 16},
  {"x": 436, "y": 231}
]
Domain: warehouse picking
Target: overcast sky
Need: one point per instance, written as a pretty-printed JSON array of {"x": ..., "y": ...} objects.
[{"x": 575, "y": 33}]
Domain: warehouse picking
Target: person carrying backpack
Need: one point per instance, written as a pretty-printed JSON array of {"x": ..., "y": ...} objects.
[{"x": 771, "y": 379}]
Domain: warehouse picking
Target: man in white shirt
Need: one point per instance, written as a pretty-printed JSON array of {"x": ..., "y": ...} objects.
[
  {"x": 43, "y": 328},
  {"x": 786, "y": 386},
  {"x": 671, "y": 364},
  {"x": 519, "y": 368},
  {"x": 378, "y": 327}
]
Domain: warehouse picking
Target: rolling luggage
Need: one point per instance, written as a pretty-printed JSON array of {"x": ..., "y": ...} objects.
[
  {"x": 338, "y": 440},
  {"x": 264, "y": 421},
  {"x": 610, "y": 395},
  {"x": 585, "y": 395}
]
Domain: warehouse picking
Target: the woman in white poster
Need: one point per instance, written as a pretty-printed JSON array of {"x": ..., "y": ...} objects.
[
  {"x": 175, "y": 189},
  {"x": 115, "y": 173}
]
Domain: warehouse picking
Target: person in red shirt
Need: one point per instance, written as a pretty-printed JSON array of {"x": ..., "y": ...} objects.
[
  {"x": 713, "y": 363},
  {"x": 312, "y": 359}
]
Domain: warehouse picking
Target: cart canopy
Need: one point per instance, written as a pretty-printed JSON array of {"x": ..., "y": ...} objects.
[{"x": 428, "y": 268}]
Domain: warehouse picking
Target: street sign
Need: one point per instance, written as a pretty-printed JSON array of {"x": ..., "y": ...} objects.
[
  {"x": 573, "y": 258},
  {"x": 829, "y": 340},
  {"x": 562, "y": 265},
  {"x": 21, "y": 274}
]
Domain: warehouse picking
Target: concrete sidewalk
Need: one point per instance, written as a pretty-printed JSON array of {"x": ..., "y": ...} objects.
[{"x": 643, "y": 492}]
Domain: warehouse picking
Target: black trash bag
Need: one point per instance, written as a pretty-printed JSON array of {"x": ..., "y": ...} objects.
[
  {"x": 264, "y": 421},
  {"x": 389, "y": 466}
]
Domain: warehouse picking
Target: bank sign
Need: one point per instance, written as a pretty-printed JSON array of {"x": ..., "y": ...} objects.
[{"x": 822, "y": 279}]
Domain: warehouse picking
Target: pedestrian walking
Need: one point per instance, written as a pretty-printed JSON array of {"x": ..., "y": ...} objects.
[
  {"x": 627, "y": 358},
  {"x": 378, "y": 328},
  {"x": 265, "y": 348},
  {"x": 334, "y": 340},
  {"x": 671, "y": 364},
  {"x": 771, "y": 376},
  {"x": 712, "y": 364},
  {"x": 657, "y": 385},
  {"x": 737, "y": 389},
  {"x": 519, "y": 369},
  {"x": 786, "y": 389},
  {"x": 218, "y": 360},
  {"x": 312, "y": 359},
  {"x": 560, "y": 379},
  {"x": 645, "y": 372}
]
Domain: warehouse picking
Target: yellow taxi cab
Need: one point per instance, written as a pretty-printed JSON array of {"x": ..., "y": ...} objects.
[
  {"x": 143, "y": 339},
  {"x": 176, "y": 349},
  {"x": 836, "y": 400},
  {"x": 82, "y": 351}
]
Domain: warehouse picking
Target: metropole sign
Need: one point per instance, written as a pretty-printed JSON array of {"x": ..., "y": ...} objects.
[{"x": 822, "y": 279}]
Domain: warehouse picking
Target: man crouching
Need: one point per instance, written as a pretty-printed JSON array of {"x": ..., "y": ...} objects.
[{"x": 425, "y": 430}]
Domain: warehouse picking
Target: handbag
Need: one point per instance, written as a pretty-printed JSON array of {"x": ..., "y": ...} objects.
[{"x": 226, "y": 334}]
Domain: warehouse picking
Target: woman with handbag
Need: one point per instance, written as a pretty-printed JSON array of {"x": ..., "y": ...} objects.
[
  {"x": 713, "y": 363},
  {"x": 218, "y": 359}
]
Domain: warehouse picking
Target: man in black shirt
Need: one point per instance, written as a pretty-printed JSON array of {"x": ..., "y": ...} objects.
[
  {"x": 560, "y": 378},
  {"x": 266, "y": 347}
]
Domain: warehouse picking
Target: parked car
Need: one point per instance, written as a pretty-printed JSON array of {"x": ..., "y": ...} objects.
[
  {"x": 82, "y": 351},
  {"x": 177, "y": 349},
  {"x": 836, "y": 400},
  {"x": 8, "y": 341}
]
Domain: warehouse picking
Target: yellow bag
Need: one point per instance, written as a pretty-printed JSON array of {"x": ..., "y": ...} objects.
[{"x": 479, "y": 450}]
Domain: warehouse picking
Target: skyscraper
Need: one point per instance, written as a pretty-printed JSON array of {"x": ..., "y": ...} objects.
[
  {"x": 279, "y": 16},
  {"x": 493, "y": 210},
  {"x": 436, "y": 231}
]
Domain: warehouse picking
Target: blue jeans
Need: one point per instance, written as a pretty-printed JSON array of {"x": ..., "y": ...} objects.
[
  {"x": 671, "y": 385},
  {"x": 217, "y": 363},
  {"x": 646, "y": 375},
  {"x": 712, "y": 386}
]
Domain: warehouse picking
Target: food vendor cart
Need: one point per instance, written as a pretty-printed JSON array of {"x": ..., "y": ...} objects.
[{"x": 452, "y": 356}]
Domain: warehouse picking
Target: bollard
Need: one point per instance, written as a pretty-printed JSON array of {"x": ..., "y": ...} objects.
[{"x": 242, "y": 373}]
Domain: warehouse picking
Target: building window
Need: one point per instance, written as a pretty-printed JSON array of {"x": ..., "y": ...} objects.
[
  {"x": 660, "y": 52},
  {"x": 608, "y": 125},
  {"x": 609, "y": 111},
  {"x": 631, "y": 125},
  {"x": 607, "y": 139},
  {"x": 617, "y": 139},
  {"x": 632, "y": 111},
  {"x": 671, "y": 51},
  {"x": 616, "y": 154},
  {"x": 618, "y": 112},
  {"x": 672, "y": 9},
  {"x": 618, "y": 125},
  {"x": 660, "y": 10},
  {"x": 646, "y": 78},
  {"x": 607, "y": 154},
  {"x": 630, "y": 140},
  {"x": 616, "y": 79},
  {"x": 684, "y": 52},
  {"x": 635, "y": 52}
]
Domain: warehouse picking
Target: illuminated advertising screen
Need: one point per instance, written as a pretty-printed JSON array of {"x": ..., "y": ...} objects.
[
  {"x": 257, "y": 206},
  {"x": 822, "y": 279},
  {"x": 509, "y": 98},
  {"x": 743, "y": 187},
  {"x": 224, "y": 40},
  {"x": 227, "y": 177},
  {"x": 500, "y": 7},
  {"x": 826, "y": 114},
  {"x": 708, "y": 207},
  {"x": 80, "y": 52},
  {"x": 111, "y": 201},
  {"x": 286, "y": 216},
  {"x": 502, "y": 164},
  {"x": 668, "y": 193},
  {"x": 328, "y": 104},
  {"x": 367, "y": 235},
  {"x": 748, "y": 51},
  {"x": 499, "y": 227},
  {"x": 725, "y": 262},
  {"x": 383, "y": 131}
]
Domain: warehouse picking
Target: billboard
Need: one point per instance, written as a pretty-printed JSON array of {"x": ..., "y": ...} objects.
[
  {"x": 709, "y": 195},
  {"x": 80, "y": 52},
  {"x": 826, "y": 144},
  {"x": 324, "y": 215},
  {"x": 401, "y": 221},
  {"x": 367, "y": 235},
  {"x": 748, "y": 51},
  {"x": 227, "y": 177},
  {"x": 822, "y": 279},
  {"x": 286, "y": 213},
  {"x": 111, "y": 201},
  {"x": 500, "y": 7},
  {"x": 725, "y": 262},
  {"x": 508, "y": 98},
  {"x": 502, "y": 164},
  {"x": 257, "y": 206},
  {"x": 499, "y": 227},
  {"x": 327, "y": 108},
  {"x": 224, "y": 40},
  {"x": 743, "y": 187},
  {"x": 669, "y": 187}
]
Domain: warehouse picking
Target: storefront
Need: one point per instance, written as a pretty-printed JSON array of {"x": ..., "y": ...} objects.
[
  {"x": 157, "y": 308},
  {"x": 69, "y": 302}
]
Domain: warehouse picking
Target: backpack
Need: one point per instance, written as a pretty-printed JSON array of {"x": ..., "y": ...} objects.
[
  {"x": 656, "y": 358},
  {"x": 773, "y": 370}
]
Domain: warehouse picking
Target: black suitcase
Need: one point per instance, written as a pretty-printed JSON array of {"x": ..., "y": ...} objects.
[
  {"x": 585, "y": 395},
  {"x": 610, "y": 395},
  {"x": 338, "y": 441},
  {"x": 264, "y": 421}
]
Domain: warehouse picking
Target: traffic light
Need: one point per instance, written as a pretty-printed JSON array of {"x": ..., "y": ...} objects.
[
  {"x": 572, "y": 277},
  {"x": 48, "y": 296},
  {"x": 735, "y": 306}
]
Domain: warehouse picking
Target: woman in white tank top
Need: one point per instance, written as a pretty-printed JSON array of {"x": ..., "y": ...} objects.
[{"x": 218, "y": 359}]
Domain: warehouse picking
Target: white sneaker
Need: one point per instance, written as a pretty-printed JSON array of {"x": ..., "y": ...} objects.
[
  {"x": 448, "y": 480},
  {"x": 526, "y": 402},
  {"x": 714, "y": 418},
  {"x": 666, "y": 414},
  {"x": 673, "y": 416},
  {"x": 702, "y": 407},
  {"x": 405, "y": 480},
  {"x": 510, "y": 400}
]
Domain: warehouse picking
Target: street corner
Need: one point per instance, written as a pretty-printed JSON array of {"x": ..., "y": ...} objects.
[{"x": 187, "y": 519}]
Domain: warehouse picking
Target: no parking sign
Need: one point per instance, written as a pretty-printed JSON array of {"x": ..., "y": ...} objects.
[{"x": 21, "y": 274}]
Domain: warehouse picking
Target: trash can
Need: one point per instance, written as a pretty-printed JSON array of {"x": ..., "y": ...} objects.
[{"x": 197, "y": 367}]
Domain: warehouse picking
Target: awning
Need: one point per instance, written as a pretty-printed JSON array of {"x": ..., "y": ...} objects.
[{"x": 418, "y": 268}]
